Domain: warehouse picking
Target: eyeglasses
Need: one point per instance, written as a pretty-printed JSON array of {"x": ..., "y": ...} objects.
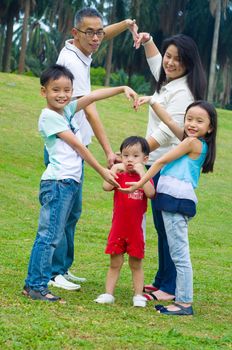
[{"x": 90, "y": 33}]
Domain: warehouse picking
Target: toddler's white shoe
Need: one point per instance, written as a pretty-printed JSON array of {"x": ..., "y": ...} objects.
[
  {"x": 105, "y": 299},
  {"x": 139, "y": 301}
]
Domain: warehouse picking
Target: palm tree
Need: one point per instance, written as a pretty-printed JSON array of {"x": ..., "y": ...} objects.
[{"x": 216, "y": 8}]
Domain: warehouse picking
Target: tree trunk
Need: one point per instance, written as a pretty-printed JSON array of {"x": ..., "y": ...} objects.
[
  {"x": 211, "y": 86},
  {"x": 22, "y": 56},
  {"x": 8, "y": 44},
  {"x": 110, "y": 48}
]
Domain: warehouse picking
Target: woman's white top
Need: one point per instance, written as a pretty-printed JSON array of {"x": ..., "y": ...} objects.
[{"x": 175, "y": 97}]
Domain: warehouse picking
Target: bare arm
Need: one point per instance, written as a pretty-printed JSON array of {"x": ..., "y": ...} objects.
[
  {"x": 70, "y": 139},
  {"x": 99, "y": 131},
  {"x": 147, "y": 41},
  {"x": 115, "y": 169},
  {"x": 185, "y": 147},
  {"x": 117, "y": 28},
  {"x": 101, "y": 94},
  {"x": 165, "y": 117}
]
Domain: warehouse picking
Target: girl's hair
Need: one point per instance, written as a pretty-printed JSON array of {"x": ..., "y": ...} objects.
[
  {"x": 190, "y": 58},
  {"x": 210, "y": 138},
  {"x": 133, "y": 140},
  {"x": 55, "y": 72}
]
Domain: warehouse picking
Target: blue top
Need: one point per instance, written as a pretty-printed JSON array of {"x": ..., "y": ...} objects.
[
  {"x": 175, "y": 188},
  {"x": 186, "y": 168}
]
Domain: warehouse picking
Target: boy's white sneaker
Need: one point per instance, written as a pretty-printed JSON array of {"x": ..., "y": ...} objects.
[
  {"x": 139, "y": 301},
  {"x": 105, "y": 299},
  {"x": 60, "y": 282},
  {"x": 70, "y": 277}
]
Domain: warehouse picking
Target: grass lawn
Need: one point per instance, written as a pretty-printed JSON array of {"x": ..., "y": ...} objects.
[{"x": 80, "y": 323}]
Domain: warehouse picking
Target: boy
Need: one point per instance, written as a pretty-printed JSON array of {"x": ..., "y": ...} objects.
[
  {"x": 60, "y": 181},
  {"x": 126, "y": 234}
]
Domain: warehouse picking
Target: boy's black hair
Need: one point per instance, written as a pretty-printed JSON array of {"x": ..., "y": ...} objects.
[
  {"x": 190, "y": 58},
  {"x": 86, "y": 12},
  {"x": 55, "y": 72},
  {"x": 133, "y": 140},
  {"x": 210, "y": 137}
]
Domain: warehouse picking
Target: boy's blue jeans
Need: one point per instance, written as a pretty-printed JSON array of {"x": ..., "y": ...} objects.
[
  {"x": 176, "y": 226},
  {"x": 57, "y": 199}
]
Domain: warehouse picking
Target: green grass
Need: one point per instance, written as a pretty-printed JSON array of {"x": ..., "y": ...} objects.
[{"x": 80, "y": 323}]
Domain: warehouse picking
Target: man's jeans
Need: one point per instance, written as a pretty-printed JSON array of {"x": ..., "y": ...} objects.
[
  {"x": 165, "y": 278},
  {"x": 176, "y": 226},
  {"x": 57, "y": 199}
]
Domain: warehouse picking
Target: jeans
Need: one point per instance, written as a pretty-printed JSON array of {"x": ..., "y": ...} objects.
[
  {"x": 176, "y": 226},
  {"x": 57, "y": 199},
  {"x": 64, "y": 253},
  {"x": 165, "y": 278}
]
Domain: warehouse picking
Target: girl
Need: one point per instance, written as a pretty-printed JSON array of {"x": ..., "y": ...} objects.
[
  {"x": 175, "y": 196},
  {"x": 180, "y": 81}
]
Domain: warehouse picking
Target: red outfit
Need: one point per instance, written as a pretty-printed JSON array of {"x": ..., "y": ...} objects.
[{"x": 126, "y": 234}]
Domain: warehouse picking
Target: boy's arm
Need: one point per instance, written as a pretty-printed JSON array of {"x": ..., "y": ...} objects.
[
  {"x": 165, "y": 117},
  {"x": 101, "y": 94},
  {"x": 99, "y": 131},
  {"x": 83, "y": 151},
  {"x": 116, "y": 168},
  {"x": 117, "y": 28}
]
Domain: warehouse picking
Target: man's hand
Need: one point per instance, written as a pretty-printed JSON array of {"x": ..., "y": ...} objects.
[
  {"x": 111, "y": 159},
  {"x": 133, "y": 28}
]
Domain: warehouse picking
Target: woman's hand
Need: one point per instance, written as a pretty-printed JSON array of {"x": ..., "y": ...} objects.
[
  {"x": 141, "y": 101},
  {"x": 141, "y": 38}
]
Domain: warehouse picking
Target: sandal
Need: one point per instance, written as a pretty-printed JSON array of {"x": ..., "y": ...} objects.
[
  {"x": 42, "y": 295},
  {"x": 149, "y": 288},
  {"x": 150, "y": 296},
  {"x": 184, "y": 311}
]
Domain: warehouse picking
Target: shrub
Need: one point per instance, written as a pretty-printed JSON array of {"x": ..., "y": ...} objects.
[{"x": 97, "y": 75}]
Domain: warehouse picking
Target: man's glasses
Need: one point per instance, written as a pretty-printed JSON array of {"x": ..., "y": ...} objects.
[{"x": 90, "y": 33}]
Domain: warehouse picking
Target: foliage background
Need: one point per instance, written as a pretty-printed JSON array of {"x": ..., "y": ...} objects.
[{"x": 32, "y": 33}]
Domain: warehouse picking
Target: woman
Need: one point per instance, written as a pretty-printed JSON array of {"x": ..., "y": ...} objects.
[{"x": 180, "y": 80}]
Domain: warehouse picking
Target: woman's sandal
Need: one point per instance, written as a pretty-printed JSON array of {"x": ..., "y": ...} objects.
[
  {"x": 152, "y": 296},
  {"x": 183, "y": 311},
  {"x": 149, "y": 288}
]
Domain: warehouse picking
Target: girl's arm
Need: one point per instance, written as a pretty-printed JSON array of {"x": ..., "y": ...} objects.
[
  {"x": 70, "y": 139},
  {"x": 148, "y": 187},
  {"x": 187, "y": 146},
  {"x": 100, "y": 94},
  {"x": 165, "y": 117}
]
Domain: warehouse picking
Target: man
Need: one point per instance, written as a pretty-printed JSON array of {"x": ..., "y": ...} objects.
[{"x": 88, "y": 34}]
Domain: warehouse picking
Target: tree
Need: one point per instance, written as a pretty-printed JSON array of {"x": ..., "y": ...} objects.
[{"x": 216, "y": 9}]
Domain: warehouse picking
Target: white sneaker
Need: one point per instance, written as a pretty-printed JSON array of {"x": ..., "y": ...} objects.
[
  {"x": 139, "y": 301},
  {"x": 60, "y": 282},
  {"x": 105, "y": 299},
  {"x": 70, "y": 277}
]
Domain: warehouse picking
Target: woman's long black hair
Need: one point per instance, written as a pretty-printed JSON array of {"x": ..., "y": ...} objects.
[{"x": 190, "y": 58}]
